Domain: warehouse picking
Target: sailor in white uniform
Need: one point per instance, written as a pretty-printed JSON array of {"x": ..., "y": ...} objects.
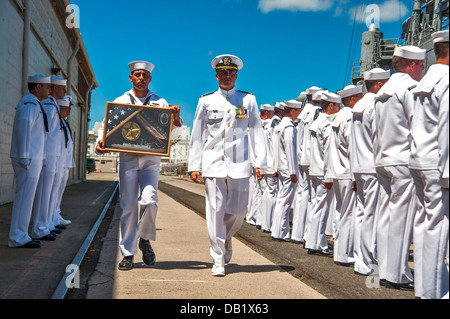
[
  {"x": 66, "y": 162},
  {"x": 226, "y": 122},
  {"x": 431, "y": 276},
  {"x": 362, "y": 163},
  {"x": 257, "y": 187},
  {"x": 270, "y": 173},
  {"x": 43, "y": 225},
  {"x": 139, "y": 175},
  {"x": 27, "y": 156},
  {"x": 287, "y": 164},
  {"x": 397, "y": 205},
  {"x": 337, "y": 168},
  {"x": 315, "y": 238}
]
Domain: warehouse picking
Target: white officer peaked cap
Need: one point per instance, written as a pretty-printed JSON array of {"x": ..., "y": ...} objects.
[
  {"x": 440, "y": 36},
  {"x": 377, "y": 74},
  {"x": 267, "y": 107},
  {"x": 227, "y": 62},
  {"x": 312, "y": 90},
  {"x": 410, "y": 52},
  {"x": 294, "y": 104},
  {"x": 58, "y": 81},
  {"x": 39, "y": 79},
  {"x": 141, "y": 65},
  {"x": 331, "y": 97},
  {"x": 64, "y": 102},
  {"x": 350, "y": 90}
]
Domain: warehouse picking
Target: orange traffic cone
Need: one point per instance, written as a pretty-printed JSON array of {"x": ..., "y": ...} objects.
[{"x": 100, "y": 170}]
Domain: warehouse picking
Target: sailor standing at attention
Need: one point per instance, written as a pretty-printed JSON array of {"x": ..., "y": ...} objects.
[
  {"x": 397, "y": 204},
  {"x": 27, "y": 156},
  {"x": 46, "y": 193},
  {"x": 362, "y": 163},
  {"x": 139, "y": 175},
  {"x": 225, "y": 123},
  {"x": 287, "y": 164},
  {"x": 431, "y": 276},
  {"x": 337, "y": 168}
]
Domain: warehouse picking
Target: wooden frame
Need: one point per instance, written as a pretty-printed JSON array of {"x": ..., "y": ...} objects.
[{"x": 137, "y": 129}]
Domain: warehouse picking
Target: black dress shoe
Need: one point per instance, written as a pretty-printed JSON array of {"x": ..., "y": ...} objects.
[
  {"x": 408, "y": 286},
  {"x": 126, "y": 263},
  {"x": 49, "y": 237},
  {"x": 344, "y": 264},
  {"x": 298, "y": 242},
  {"x": 56, "y": 231},
  {"x": 31, "y": 244},
  {"x": 281, "y": 239},
  {"x": 324, "y": 252},
  {"x": 60, "y": 226},
  {"x": 148, "y": 255}
]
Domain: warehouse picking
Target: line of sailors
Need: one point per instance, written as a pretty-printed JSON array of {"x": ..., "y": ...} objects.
[
  {"x": 41, "y": 155},
  {"x": 372, "y": 173}
]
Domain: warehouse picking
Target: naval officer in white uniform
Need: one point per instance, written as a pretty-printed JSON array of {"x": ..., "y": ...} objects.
[
  {"x": 225, "y": 123},
  {"x": 362, "y": 164},
  {"x": 431, "y": 276},
  {"x": 46, "y": 193},
  {"x": 393, "y": 110},
  {"x": 27, "y": 154},
  {"x": 287, "y": 168},
  {"x": 139, "y": 175}
]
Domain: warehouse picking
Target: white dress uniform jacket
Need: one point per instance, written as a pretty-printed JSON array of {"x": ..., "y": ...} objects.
[
  {"x": 219, "y": 144},
  {"x": 431, "y": 274},
  {"x": 27, "y": 154}
]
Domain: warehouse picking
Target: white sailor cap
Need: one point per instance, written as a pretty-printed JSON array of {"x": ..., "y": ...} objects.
[
  {"x": 440, "y": 36},
  {"x": 350, "y": 90},
  {"x": 58, "y": 81},
  {"x": 64, "y": 102},
  {"x": 377, "y": 74},
  {"x": 312, "y": 90},
  {"x": 267, "y": 107},
  {"x": 410, "y": 52},
  {"x": 318, "y": 95},
  {"x": 227, "y": 62},
  {"x": 141, "y": 65},
  {"x": 39, "y": 79},
  {"x": 294, "y": 104},
  {"x": 280, "y": 105},
  {"x": 331, "y": 97}
]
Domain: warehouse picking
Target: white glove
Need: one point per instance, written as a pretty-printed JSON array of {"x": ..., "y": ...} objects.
[{"x": 24, "y": 162}]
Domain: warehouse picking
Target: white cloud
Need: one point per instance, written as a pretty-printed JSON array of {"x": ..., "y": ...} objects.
[
  {"x": 388, "y": 11},
  {"x": 295, "y": 5}
]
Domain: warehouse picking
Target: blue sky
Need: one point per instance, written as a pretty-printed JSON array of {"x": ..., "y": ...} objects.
[{"x": 286, "y": 45}]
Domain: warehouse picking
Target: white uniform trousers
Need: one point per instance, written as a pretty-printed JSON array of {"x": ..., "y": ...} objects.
[
  {"x": 285, "y": 196},
  {"x": 269, "y": 200},
  {"x": 431, "y": 276},
  {"x": 366, "y": 227},
  {"x": 396, "y": 210},
  {"x": 226, "y": 207},
  {"x": 42, "y": 211},
  {"x": 64, "y": 173},
  {"x": 345, "y": 202},
  {"x": 318, "y": 212},
  {"x": 26, "y": 185},
  {"x": 138, "y": 186},
  {"x": 55, "y": 201},
  {"x": 251, "y": 216},
  {"x": 302, "y": 199}
]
